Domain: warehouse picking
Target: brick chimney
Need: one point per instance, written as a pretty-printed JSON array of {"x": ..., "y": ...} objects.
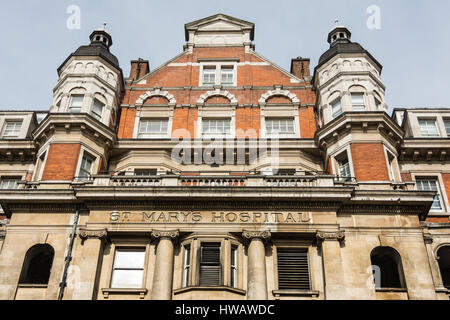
[
  {"x": 139, "y": 68},
  {"x": 300, "y": 67}
]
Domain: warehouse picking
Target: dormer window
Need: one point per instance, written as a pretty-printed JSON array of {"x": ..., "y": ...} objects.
[
  {"x": 76, "y": 103},
  {"x": 428, "y": 128},
  {"x": 11, "y": 129},
  {"x": 358, "y": 102}
]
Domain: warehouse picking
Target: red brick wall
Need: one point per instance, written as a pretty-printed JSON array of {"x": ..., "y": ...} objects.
[
  {"x": 278, "y": 99},
  {"x": 156, "y": 100},
  {"x": 330, "y": 167},
  {"x": 246, "y": 119},
  {"x": 61, "y": 162},
  {"x": 307, "y": 123},
  {"x": 438, "y": 220},
  {"x": 446, "y": 179},
  {"x": 126, "y": 126},
  {"x": 217, "y": 100},
  {"x": 184, "y": 123},
  {"x": 369, "y": 162}
]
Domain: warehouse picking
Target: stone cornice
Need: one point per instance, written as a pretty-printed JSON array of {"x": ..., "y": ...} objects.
[{"x": 165, "y": 234}]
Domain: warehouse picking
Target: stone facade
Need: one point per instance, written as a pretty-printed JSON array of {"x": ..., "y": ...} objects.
[{"x": 220, "y": 175}]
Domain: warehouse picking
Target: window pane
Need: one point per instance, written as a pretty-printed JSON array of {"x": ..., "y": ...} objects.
[
  {"x": 447, "y": 126},
  {"x": 127, "y": 279},
  {"x": 152, "y": 127},
  {"x": 280, "y": 126},
  {"x": 216, "y": 126},
  {"x": 431, "y": 185},
  {"x": 76, "y": 103},
  {"x": 9, "y": 183},
  {"x": 129, "y": 258},
  {"x": 358, "y": 102},
  {"x": 227, "y": 75},
  {"x": 97, "y": 109},
  {"x": 336, "y": 108},
  {"x": 428, "y": 128},
  {"x": 209, "y": 76},
  {"x": 12, "y": 129}
]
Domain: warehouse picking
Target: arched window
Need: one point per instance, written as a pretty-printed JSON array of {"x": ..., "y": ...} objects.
[
  {"x": 443, "y": 256},
  {"x": 388, "y": 269},
  {"x": 37, "y": 265}
]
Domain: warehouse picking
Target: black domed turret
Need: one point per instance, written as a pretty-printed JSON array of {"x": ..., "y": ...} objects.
[
  {"x": 340, "y": 43},
  {"x": 101, "y": 41}
]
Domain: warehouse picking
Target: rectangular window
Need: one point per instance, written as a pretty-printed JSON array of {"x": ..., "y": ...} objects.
[
  {"x": 209, "y": 76},
  {"x": 377, "y": 104},
  {"x": 210, "y": 268},
  {"x": 428, "y": 128},
  {"x": 391, "y": 160},
  {"x": 76, "y": 103},
  {"x": 430, "y": 184},
  {"x": 233, "y": 267},
  {"x": 216, "y": 127},
  {"x": 227, "y": 75},
  {"x": 97, "y": 110},
  {"x": 11, "y": 129},
  {"x": 86, "y": 167},
  {"x": 151, "y": 128},
  {"x": 293, "y": 269},
  {"x": 128, "y": 270},
  {"x": 344, "y": 167},
  {"x": 447, "y": 127},
  {"x": 9, "y": 183},
  {"x": 358, "y": 102},
  {"x": 336, "y": 108},
  {"x": 280, "y": 126},
  {"x": 187, "y": 265}
]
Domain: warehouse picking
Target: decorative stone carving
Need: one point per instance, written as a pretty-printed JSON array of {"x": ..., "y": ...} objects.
[
  {"x": 215, "y": 93},
  {"x": 427, "y": 238},
  {"x": 93, "y": 234},
  {"x": 155, "y": 93},
  {"x": 159, "y": 234},
  {"x": 250, "y": 235},
  {"x": 330, "y": 236},
  {"x": 278, "y": 92}
]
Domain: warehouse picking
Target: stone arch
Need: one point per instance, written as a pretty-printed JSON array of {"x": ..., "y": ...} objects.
[
  {"x": 157, "y": 92},
  {"x": 217, "y": 92},
  {"x": 279, "y": 92}
]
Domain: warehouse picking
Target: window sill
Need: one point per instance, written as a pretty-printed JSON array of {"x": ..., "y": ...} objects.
[
  {"x": 443, "y": 290},
  {"x": 107, "y": 291},
  {"x": 296, "y": 293},
  {"x": 220, "y": 288},
  {"x": 391, "y": 290},
  {"x": 41, "y": 286}
]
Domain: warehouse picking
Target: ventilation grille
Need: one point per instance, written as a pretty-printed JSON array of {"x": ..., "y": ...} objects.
[{"x": 293, "y": 269}]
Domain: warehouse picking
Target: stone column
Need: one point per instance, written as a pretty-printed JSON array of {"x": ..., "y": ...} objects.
[
  {"x": 163, "y": 276},
  {"x": 335, "y": 287},
  {"x": 88, "y": 263},
  {"x": 257, "y": 277}
]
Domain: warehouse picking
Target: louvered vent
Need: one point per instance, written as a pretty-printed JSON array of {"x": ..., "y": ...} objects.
[
  {"x": 293, "y": 269},
  {"x": 210, "y": 270}
]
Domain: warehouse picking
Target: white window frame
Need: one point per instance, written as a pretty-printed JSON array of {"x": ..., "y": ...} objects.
[
  {"x": 218, "y": 65},
  {"x": 91, "y": 154},
  {"x": 335, "y": 162},
  {"x": 82, "y": 96},
  {"x": 287, "y": 134},
  {"x": 15, "y": 121},
  {"x": 234, "y": 249},
  {"x": 434, "y": 178},
  {"x": 204, "y": 135},
  {"x": 336, "y": 102},
  {"x": 187, "y": 262},
  {"x": 95, "y": 114},
  {"x": 360, "y": 107},
  {"x": 427, "y": 121},
  {"x": 446, "y": 120},
  {"x": 153, "y": 135},
  {"x": 8, "y": 180},
  {"x": 140, "y": 249}
]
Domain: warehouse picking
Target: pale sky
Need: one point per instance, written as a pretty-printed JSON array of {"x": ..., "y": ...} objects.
[{"x": 412, "y": 45}]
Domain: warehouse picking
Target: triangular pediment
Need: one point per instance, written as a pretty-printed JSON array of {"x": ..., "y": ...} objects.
[{"x": 220, "y": 23}]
